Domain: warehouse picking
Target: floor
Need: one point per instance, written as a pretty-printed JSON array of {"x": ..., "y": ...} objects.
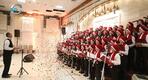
[{"x": 44, "y": 67}]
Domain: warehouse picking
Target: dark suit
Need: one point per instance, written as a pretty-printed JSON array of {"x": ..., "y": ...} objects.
[{"x": 7, "y": 54}]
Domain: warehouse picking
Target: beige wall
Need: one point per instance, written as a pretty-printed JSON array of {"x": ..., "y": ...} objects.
[
  {"x": 133, "y": 10},
  {"x": 42, "y": 38},
  {"x": 130, "y": 10},
  {"x": 3, "y": 28},
  {"x": 3, "y": 22}
]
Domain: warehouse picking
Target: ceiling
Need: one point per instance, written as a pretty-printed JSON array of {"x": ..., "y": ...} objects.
[{"x": 40, "y": 6}]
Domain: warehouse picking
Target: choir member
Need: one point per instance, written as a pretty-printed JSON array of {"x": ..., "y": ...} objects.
[
  {"x": 142, "y": 56},
  {"x": 91, "y": 56},
  {"x": 98, "y": 62},
  {"x": 112, "y": 59},
  {"x": 124, "y": 49},
  {"x": 130, "y": 41}
]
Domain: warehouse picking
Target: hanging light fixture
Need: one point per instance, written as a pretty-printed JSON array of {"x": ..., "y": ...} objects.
[
  {"x": 115, "y": 7},
  {"x": 16, "y": 8},
  {"x": 95, "y": 13},
  {"x": 107, "y": 10},
  {"x": 104, "y": 9}
]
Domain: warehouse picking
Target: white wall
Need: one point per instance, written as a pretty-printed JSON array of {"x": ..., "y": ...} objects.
[
  {"x": 130, "y": 10},
  {"x": 2, "y": 36},
  {"x": 3, "y": 28},
  {"x": 133, "y": 10},
  {"x": 51, "y": 35},
  {"x": 41, "y": 38},
  {"x": 3, "y": 22}
]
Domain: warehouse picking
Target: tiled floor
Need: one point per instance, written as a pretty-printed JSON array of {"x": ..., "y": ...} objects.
[{"x": 44, "y": 67}]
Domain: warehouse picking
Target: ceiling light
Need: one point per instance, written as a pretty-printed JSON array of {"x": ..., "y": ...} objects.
[
  {"x": 59, "y": 7},
  {"x": 33, "y": 0},
  {"x": 22, "y": 1}
]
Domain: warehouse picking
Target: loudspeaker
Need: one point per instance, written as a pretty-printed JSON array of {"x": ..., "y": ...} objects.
[
  {"x": 63, "y": 30},
  {"x": 29, "y": 58},
  {"x": 17, "y": 33}
]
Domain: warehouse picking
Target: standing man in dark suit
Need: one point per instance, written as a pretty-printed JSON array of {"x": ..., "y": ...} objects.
[{"x": 7, "y": 54}]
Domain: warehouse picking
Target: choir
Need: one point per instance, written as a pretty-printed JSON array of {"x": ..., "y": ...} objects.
[{"x": 108, "y": 51}]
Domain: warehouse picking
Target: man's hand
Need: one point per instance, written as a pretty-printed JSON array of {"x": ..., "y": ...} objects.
[{"x": 15, "y": 48}]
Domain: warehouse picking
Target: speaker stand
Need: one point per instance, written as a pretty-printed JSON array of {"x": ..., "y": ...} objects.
[
  {"x": 20, "y": 72},
  {"x": 17, "y": 51}
]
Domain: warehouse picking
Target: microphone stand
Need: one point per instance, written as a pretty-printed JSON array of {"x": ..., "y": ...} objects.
[
  {"x": 20, "y": 72},
  {"x": 89, "y": 65},
  {"x": 72, "y": 59},
  {"x": 103, "y": 68}
]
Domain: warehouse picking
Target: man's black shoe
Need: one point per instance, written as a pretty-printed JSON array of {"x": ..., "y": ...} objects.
[
  {"x": 6, "y": 76},
  {"x": 81, "y": 72},
  {"x": 85, "y": 75},
  {"x": 9, "y": 74}
]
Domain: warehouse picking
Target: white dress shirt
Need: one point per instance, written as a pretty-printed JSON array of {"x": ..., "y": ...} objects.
[
  {"x": 126, "y": 50},
  {"x": 6, "y": 45},
  {"x": 145, "y": 44},
  {"x": 117, "y": 60},
  {"x": 133, "y": 40}
]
